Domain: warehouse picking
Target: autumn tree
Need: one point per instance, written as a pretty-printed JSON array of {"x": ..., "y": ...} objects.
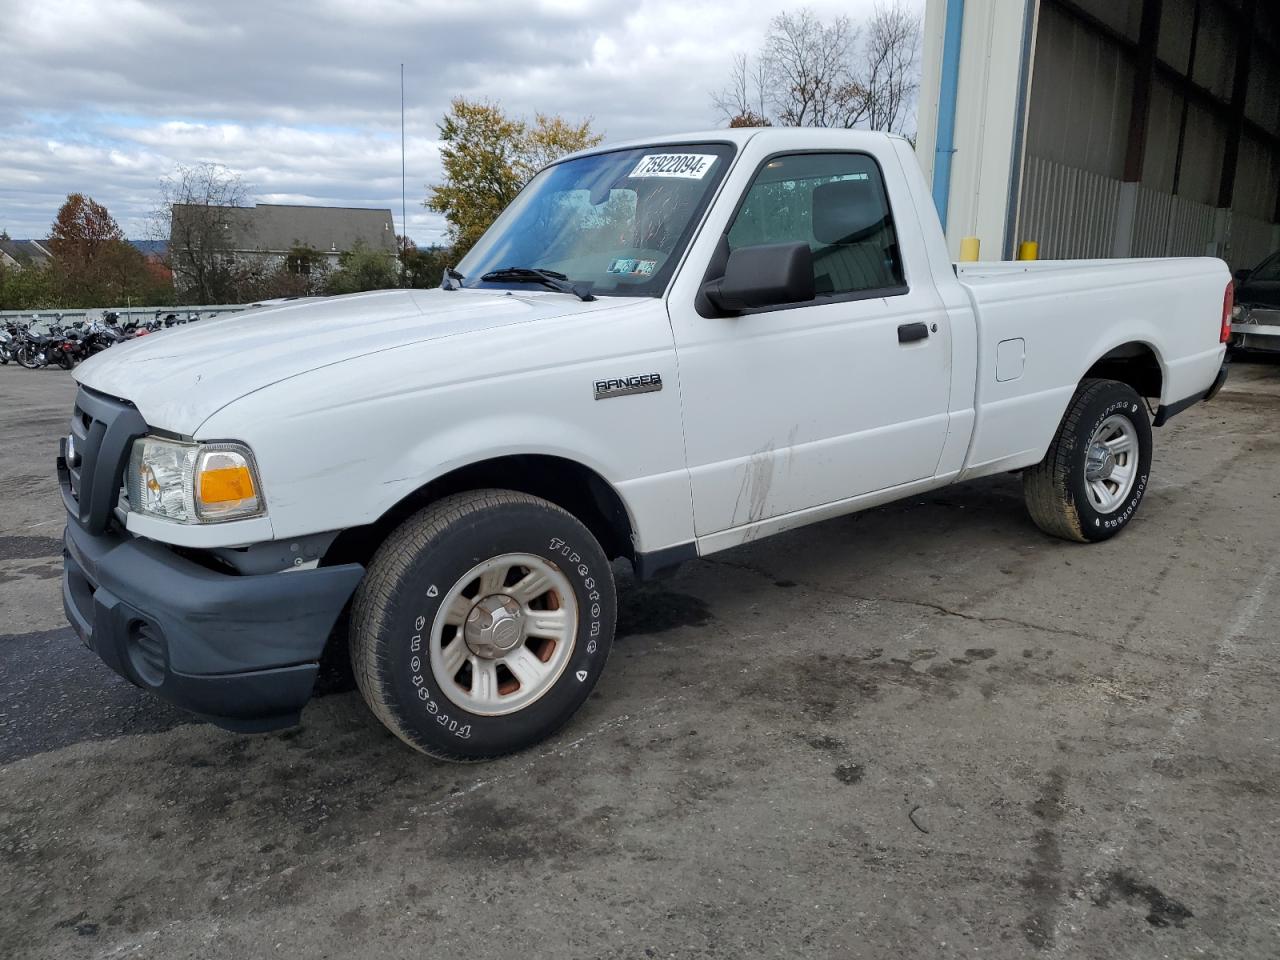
[
  {"x": 81, "y": 240},
  {"x": 94, "y": 265},
  {"x": 815, "y": 73},
  {"x": 487, "y": 157},
  {"x": 199, "y": 215}
]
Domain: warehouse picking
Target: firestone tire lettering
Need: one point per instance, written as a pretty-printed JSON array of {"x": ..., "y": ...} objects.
[{"x": 436, "y": 547}]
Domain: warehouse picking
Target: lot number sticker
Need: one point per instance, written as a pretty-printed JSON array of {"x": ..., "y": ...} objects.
[{"x": 683, "y": 166}]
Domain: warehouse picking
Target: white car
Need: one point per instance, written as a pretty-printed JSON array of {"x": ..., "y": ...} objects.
[{"x": 660, "y": 350}]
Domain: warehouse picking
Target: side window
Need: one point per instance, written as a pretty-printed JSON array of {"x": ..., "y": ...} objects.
[{"x": 836, "y": 203}]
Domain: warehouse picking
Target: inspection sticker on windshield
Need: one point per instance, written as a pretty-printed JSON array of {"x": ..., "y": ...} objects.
[
  {"x": 633, "y": 268},
  {"x": 685, "y": 166}
]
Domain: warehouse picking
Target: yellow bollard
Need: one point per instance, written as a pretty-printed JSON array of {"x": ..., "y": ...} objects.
[
  {"x": 1028, "y": 250},
  {"x": 969, "y": 249}
]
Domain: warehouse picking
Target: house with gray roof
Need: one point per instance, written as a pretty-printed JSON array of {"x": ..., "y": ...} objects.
[
  {"x": 21, "y": 254},
  {"x": 268, "y": 232}
]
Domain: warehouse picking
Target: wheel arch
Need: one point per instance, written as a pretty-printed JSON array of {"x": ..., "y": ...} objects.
[
  {"x": 567, "y": 483},
  {"x": 1134, "y": 362}
]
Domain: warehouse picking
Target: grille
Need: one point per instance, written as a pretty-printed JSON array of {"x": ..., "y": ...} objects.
[
  {"x": 81, "y": 429},
  {"x": 92, "y": 457}
]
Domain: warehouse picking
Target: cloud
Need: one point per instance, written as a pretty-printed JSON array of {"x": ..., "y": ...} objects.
[{"x": 302, "y": 98}]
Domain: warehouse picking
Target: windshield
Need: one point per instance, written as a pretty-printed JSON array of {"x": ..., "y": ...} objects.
[{"x": 616, "y": 221}]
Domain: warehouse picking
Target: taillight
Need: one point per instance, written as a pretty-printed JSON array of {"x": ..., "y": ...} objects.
[{"x": 1228, "y": 302}]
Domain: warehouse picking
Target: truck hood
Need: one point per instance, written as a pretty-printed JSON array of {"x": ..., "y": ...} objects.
[{"x": 180, "y": 377}]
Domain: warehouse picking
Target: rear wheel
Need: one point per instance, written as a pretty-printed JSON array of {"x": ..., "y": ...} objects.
[
  {"x": 482, "y": 624},
  {"x": 1093, "y": 477}
]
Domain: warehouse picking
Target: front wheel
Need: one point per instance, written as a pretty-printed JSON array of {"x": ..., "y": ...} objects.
[
  {"x": 482, "y": 624},
  {"x": 1090, "y": 482}
]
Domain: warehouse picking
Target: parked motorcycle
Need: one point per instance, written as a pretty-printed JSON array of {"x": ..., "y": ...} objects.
[
  {"x": 66, "y": 348},
  {"x": 32, "y": 350},
  {"x": 100, "y": 336},
  {"x": 10, "y": 337}
]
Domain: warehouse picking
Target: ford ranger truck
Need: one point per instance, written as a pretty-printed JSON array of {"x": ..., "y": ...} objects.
[{"x": 660, "y": 350}]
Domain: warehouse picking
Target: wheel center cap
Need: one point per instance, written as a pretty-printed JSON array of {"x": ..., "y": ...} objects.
[
  {"x": 495, "y": 626},
  {"x": 1100, "y": 464}
]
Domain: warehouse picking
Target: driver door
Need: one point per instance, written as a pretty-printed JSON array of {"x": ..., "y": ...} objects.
[{"x": 798, "y": 406}]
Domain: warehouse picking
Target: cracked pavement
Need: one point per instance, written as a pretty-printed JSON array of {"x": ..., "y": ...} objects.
[{"x": 925, "y": 730}]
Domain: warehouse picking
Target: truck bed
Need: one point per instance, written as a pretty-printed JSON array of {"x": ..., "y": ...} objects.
[{"x": 1068, "y": 314}]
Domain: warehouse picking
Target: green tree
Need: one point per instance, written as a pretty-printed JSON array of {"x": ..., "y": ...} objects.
[
  {"x": 487, "y": 157},
  {"x": 362, "y": 269},
  {"x": 31, "y": 288},
  {"x": 422, "y": 266}
]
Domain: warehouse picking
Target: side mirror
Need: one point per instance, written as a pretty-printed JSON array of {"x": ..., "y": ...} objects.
[
  {"x": 767, "y": 275},
  {"x": 1242, "y": 275}
]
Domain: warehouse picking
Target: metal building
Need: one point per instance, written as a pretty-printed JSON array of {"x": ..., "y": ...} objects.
[{"x": 1105, "y": 128}]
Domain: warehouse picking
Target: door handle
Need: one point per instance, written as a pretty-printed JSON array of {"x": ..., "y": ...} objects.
[{"x": 909, "y": 332}]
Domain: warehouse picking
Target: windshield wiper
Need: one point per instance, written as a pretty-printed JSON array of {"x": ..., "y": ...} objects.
[{"x": 548, "y": 278}]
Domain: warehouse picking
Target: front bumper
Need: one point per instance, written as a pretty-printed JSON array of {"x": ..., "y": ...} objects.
[{"x": 242, "y": 651}]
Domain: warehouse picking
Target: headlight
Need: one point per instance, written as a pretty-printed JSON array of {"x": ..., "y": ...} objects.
[{"x": 193, "y": 482}]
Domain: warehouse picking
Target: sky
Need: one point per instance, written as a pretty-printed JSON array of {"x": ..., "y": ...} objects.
[{"x": 302, "y": 99}]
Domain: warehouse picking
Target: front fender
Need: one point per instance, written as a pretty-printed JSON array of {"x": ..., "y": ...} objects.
[{"x": 338, "y": 447}]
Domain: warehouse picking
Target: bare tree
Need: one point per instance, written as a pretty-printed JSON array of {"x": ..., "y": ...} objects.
[
  {"x": 742, "y": 102},
  {"x": 890, "y": 67},
  {"x": 808, "y": 68},
  {"x": 811, "y": 73},
  {"x": 199, "y": 217}
]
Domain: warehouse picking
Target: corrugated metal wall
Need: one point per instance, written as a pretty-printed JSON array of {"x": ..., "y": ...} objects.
[
  {"x": 1072, "y": 199},
  {"x": 1074, "y": 214},
  {"x": 1070, "y": 212},
  {"x": 1165, "y": 226}
]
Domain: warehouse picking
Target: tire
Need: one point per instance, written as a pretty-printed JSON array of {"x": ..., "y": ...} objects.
[
  {"x": 422, "y": 595},
  {"x": 27, "y": 358},
  {"x": 1069, "y": 497}
]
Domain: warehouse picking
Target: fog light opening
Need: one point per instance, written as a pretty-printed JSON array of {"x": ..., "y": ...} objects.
[{"x": 147, "y": 652}]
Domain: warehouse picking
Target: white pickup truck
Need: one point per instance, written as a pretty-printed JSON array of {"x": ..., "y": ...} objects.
[{"x": 660, "y": 350}]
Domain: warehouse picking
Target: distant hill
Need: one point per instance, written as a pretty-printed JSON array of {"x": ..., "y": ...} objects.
[{"x": 150, "y": 247}]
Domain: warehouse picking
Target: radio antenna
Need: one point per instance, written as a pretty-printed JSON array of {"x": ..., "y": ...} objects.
[{"x": 404, "y": 217}]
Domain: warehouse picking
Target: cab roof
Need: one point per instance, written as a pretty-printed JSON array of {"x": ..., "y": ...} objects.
[{"x": 779, "y": 138}]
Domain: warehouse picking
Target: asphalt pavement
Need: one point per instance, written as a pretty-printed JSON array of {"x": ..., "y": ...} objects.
[{"x": 927, "y": 730}]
